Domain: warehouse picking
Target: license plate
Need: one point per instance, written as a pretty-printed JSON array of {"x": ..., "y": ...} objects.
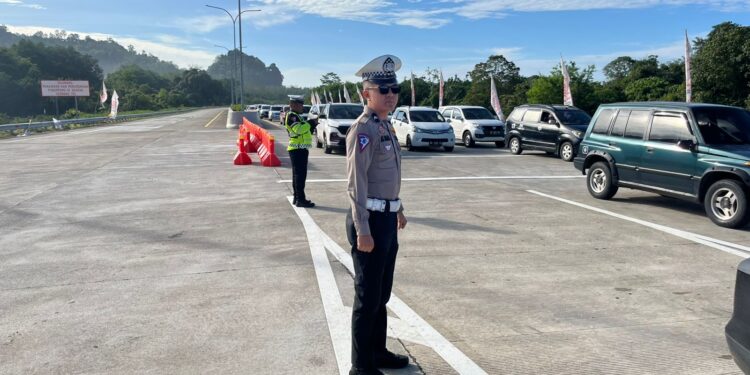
[
  {"x": 495, "y": 133},
  {"x": 434, "y": 143}
]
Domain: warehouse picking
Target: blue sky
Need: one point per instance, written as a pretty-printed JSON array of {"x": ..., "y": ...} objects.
[{"x": 307, "y": 38}]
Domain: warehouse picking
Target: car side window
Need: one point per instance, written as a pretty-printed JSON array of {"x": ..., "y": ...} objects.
[
  {"x": 669, "y": 129},
  {"x": 618, "y": 130},
  {"x": 637, "y": 124},
  {"x": 404, "y": 117},
  {"x": 601, "y": 126},
  {"x": 517, "y": 114},
  {"x": 457, "y": 114},
  {"x": 532, "y": 115}
]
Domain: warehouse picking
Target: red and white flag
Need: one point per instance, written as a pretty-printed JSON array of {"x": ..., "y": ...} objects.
[
  {"x": 103, "y": 94},
  {"x": 442, "y": 85},
  {"x": 361, "y": 95},
  {"x": 567, "y": 95},
  {"x": 495, "y": 100},
  {"x": 688, "y": 73},
  {"x": 413, "y": 92},
  {"x": 346, "y": 95},
  {"x": 115, "y": 104}
]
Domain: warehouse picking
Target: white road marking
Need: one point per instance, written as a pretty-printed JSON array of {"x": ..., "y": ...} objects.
[
  {"x": 729, "y": 247},
  {"x": 459, "y": 178},
  {"x": 410, "y": 327}
]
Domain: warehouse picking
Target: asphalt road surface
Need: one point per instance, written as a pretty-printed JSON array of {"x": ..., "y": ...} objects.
[{"x": 141, "y": 248}]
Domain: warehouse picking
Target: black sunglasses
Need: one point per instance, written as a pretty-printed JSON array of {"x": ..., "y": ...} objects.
[{"x": 384, "y": 89}]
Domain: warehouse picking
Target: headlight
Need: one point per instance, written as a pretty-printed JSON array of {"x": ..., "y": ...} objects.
[
  {"x": 474, "y": 125},
  {"x": 416, "y": 129},
  {"x": 747, "y": 163},
  {"x": 577, "y": 133}
]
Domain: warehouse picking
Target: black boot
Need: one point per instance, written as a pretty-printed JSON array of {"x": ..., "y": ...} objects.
[
  {"x": 305, "y": 203},
  {"x": 391, "y": 360},
  {"x": 364, "y": 371}
]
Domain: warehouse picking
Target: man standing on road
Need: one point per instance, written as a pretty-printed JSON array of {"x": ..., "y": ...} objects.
[
  {"x": 300, "y": 140},
  {"x": 373, "y": 168}
]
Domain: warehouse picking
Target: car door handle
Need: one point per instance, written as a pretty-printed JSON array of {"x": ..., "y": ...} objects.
[{"x": 649, "y": 149}]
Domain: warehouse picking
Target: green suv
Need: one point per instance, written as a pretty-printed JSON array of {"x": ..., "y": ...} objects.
[{"x": 697, "y": 152}]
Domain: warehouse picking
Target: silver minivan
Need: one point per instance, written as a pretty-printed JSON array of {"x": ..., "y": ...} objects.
[{"x": 473, "y": 124}]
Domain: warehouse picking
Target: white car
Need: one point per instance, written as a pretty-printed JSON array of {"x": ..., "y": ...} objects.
[
  {"x": 422, "y": 127},
  {"x": 334, "y": 121},
  {"x": 473, "y": 124},
  {"x": 274, "y": 114}
]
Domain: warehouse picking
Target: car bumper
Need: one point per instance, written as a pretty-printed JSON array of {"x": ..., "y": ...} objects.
[
  {"x": 739, "y": 352},
  {"x": 481, "y": 137},
  {"x": 578, "y": 163},
  {"x": 440, "y": 140},
  {"x": 337, "y": 141}
]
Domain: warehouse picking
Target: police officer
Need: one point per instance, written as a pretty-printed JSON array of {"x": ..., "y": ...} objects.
[
  {"x": 300, "y": 140},
  {"x": 373, "y": 167}
]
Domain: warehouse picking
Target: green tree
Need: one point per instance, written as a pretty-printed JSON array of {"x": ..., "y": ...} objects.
[
  {"x": 722, "y": 66},
  {"x": 549, "y": 89},
  {"x": 507, "y": 76}
]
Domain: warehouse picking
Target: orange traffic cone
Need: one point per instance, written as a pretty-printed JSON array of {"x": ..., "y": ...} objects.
[{"x": 242, "y": 158}]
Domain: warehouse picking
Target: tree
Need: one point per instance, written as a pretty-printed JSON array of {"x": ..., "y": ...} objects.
[
  {"x": 722, "y": 65},
  {"x": 506, "y": 74},
  {"x": 330, "y": 79},
  {"x": 549, "y": 89}
]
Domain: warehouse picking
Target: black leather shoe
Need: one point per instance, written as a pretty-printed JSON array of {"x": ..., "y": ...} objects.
[
  {"x": 305, "y": 203},
  {"x": 391, "y": 360},
  {"x": 365, "y": 371}
]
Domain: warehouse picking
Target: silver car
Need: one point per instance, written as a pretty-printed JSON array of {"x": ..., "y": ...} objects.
[
  {"x": 473, "y": 124},
  {"x": 422, "y": 127}
]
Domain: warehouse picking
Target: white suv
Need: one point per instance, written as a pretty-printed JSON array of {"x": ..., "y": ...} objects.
[
  {"x": 422, "y": 127},
  {"x": 475, "y": 124},
  {"x": 334, "y": 121}
]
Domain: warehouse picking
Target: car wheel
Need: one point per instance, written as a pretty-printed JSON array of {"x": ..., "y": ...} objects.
[
  {"x": 499, "y": 144},
  {"x": 566, "y": 151},
  {"x": 515, "y": 146},
  {"x": 726, "y": 204},
  {"x": 408, "y": 143},
  {"x": 468, "y": 141},
  {"x": 599, "y": 181},
  {"x": 448, "y": 148},
  {"x": 326, "y": 148}
]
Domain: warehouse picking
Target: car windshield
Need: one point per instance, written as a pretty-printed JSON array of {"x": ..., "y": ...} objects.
[
  {"x": 276, "y": 108},
  {"x": 426, "y": 116},
  {"x": 573, "y": 116},
  {"x": 478, "y": 114},
  {"x": 723, "y": 126},
  {"x": 345, "y": 111},
  {"x": 306, "y": 109}
]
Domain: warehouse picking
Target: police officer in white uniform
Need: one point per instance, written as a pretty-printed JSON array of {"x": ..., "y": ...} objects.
[{"x": 373, "y": 167}]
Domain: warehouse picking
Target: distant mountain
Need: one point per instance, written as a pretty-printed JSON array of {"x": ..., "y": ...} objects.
[
  {"x": 110, "y": 55},
  {"x": 256, "y": 73}
]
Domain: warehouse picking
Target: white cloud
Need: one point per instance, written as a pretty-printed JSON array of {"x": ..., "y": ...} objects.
[
  {"x": 178, "y": 54},
  {"x": 20, "y": 3},
  {"x": 203, "y": 24}
]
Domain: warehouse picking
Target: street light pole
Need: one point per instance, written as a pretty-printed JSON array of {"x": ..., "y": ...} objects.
[{"x": 233, "y": 75}]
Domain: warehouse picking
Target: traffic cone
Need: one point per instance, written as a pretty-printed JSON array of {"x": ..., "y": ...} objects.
[{"x": 242, "y": 158}]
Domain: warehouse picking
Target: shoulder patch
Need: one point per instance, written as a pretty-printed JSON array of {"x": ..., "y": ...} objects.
[
  {"x": 362, "y": 118},
  {"x": 364, "y": 141}
]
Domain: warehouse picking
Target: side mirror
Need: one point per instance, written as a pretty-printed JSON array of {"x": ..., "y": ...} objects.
[{"x": 687, "y": 144}]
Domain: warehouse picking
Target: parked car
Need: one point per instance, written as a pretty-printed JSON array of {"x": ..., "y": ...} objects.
[
  {"x": 274, "y": 114},
  {"x": 422, "y": 127},
  {"x": 264, "y": 109},
  {"x": 282, "y": 114},
  {"x": 251, "y": 107},
  {"x": 333, "y": 123},
  {"x": 555, "y": 129},
  {"x": 473, "y": 124},
  {"x": 697, "y": 152},
  {"x": 737, "y": 331}
]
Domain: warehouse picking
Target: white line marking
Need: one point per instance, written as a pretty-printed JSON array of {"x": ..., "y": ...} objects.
[
  {"x": 459, "y": 178},
  {"x": 329, "y": 293},
  {"x": 731, "y": 248},
  {"x": 452, "y": 355}
]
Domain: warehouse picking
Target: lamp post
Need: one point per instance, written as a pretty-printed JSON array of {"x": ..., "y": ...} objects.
[
  {"x": 234, "y": 36},
  {"x": 233, "y": 73}
]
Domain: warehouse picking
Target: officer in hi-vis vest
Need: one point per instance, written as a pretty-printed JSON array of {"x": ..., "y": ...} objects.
[
  {"x": 373, "y": 168},
  {"x": 300, "y": 140}
]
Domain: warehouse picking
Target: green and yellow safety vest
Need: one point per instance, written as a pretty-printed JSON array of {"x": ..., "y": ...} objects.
[{"x": 300, "y": 136}]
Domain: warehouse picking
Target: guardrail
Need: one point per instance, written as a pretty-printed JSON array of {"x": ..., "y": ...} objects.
[{"x": 85, "y": 121}]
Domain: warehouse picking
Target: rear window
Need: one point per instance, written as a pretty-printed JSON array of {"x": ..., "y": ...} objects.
[
  {"x": 532, "y": 115},
  {"x": 602, "y": 122},
  {"x": 637, "y": 124},
  {"x": 276, "y": 108},
  {"x": 669, "y": 129},
  {"x": 426, "y": 116}
]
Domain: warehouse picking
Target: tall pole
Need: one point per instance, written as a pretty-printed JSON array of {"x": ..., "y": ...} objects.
[{"x": 242, "y": 74}]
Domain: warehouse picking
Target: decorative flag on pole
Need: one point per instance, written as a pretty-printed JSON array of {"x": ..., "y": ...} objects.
[
  {"x": 495, "y": 100},
  {"x": 442, "y": 84},
  {"x": 317, "y": 99},
  {"x": 339, "y": 95},
  {"x": 567, "y": 95},
  {"x": 57, "y": 123},
  {"x": 413, "y": 93},
  {"x": 346, "y": 95},
  {"x": 688, "y": 73},
  {"x": 361, "y": 95},
  {"x": 115, "y": 104},
  {"x": 330, "y": 97},
  {"x": 103, "y": 94}
]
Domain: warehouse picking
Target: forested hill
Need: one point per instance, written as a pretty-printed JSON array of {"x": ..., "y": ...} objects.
[{"x": 109, "y": 54}]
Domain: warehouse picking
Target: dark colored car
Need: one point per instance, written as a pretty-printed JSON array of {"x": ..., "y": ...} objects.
[
  {"x": 555, "y": 129},
  {"x": 696, "y": 152},
  {"x": 737, "y": 331}
]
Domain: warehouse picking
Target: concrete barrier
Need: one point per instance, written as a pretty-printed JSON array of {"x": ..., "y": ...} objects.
[
  {"x": 253, "y": 116},
  {"x": 234, "y": 118}
]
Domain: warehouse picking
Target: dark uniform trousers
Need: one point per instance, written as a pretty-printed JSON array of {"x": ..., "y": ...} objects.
[
  {"x": 299, "y": 172},
  {"x": 373, "y": 281}
]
